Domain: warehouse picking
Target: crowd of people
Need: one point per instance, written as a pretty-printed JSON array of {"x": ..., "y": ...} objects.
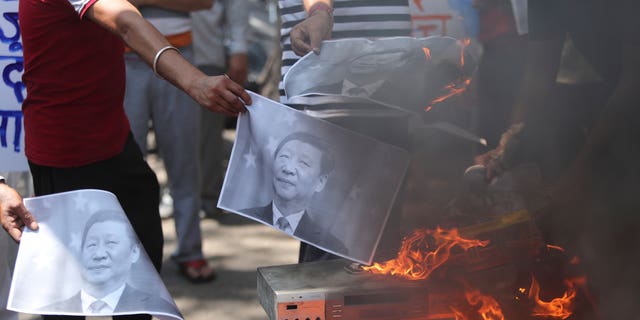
[{"x": 179, "y": 67}]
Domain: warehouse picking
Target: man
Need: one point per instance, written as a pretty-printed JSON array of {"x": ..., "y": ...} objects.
[
  {"x": 304, "y": 25},
  {"x": 149, "y": 98},
  {"x": 301, "y": 167},
  {"x": 593, "y": 180},
  {"x": 220, "y": 47},
  {"x": 108, "y": 250},
  {"x": 77, "y": 135}
]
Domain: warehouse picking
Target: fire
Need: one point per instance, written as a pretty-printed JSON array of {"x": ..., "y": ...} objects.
[
  {"x": 559, "y": 248},
  {"x": 415, "y": 261},
  {"x": 459, "y": 315},
  {"x": 427, "y": 52},
  {"x": 464, "y": 43},
  {"x": 556, "y": 308},
  {"x": 488, "y": 309},
  {"x": 453, "y": 89},
  {"x": 457, "y": 87}
]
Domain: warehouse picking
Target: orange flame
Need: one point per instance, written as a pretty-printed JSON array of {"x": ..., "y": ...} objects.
[
  {"x": 464, "y": 43},
  {"x": 556, "y": 308},
  {"x": 453, "y": 89},
  {"x": 551, "y": 246},
  {"x": 415, "y": 261},
  {"x": 456, "y": 87},
  {"x": 489, "y": 308},
  {"x": 458, "y": 315},
  {"x": 427, "y": 52}
]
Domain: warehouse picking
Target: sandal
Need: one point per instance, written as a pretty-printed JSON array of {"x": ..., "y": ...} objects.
[{"x": 197, "y": 271}]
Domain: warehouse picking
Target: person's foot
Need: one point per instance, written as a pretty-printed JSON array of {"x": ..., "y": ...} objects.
[
  {"x": 166, "y": 205},
  {"x": 197, "y": 271}
]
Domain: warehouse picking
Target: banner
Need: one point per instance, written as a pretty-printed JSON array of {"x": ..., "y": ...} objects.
[{"x": 12, "y": 90}]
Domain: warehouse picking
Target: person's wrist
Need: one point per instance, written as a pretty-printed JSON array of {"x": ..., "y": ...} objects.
[{"x": 320, "y": 7}]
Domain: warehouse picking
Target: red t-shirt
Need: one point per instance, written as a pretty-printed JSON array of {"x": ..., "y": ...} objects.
[{"x": 75, "y": 80}]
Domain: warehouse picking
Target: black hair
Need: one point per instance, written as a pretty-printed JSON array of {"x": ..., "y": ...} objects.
[
  {"x": 326, "y": 162},
  {"x": 109, "y": 215}
]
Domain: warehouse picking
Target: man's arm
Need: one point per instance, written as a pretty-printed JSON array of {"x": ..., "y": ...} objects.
[
  {"x": 237, "y": 22},
  {"x": 308, "y": 34},
  {"x": 218, "y": 94},
  {"x": 177, "y": 5},
  {"x": 539, "y": 79}
]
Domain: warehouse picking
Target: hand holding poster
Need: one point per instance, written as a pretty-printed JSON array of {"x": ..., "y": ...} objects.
[
  {"x": 334, "y": 187},
  {"x": 85, "y": 259}
]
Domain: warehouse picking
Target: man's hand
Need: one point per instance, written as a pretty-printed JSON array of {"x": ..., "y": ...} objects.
[
  {"x": 220, "y": 94},
  {"x": 238, "y": 68},
  {"x": 308, "y": 34},
  {"x": 13, "y": 214}
]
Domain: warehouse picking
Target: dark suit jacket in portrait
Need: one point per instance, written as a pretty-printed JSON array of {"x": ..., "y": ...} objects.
[
  {"x": 131, "y": 299},
  {"x": 307, "y": 230}
]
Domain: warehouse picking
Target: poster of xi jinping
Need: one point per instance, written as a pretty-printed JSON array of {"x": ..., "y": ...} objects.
[
  {"x": 405, "y": 74},
  {"x": 317, "y": 182},
  {"x": 85, "y": 259}
]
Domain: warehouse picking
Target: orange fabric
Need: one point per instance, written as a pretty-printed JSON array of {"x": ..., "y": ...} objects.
[{"x": 177, "y": 40}]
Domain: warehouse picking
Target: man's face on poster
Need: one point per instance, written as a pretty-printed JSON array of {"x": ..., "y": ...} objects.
[
  {"x": 108, "y": 253},
  {"x": 297, "y": 171}
]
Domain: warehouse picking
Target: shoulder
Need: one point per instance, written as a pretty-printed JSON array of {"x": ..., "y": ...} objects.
[
  {"x": 71, "y": 304},
  {"x": 263, "y": 213},
  {"x": 313, "y": 231},
  {"x": 136, "y": 299}
]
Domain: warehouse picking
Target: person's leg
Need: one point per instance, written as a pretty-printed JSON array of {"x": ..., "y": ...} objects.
[
  {"x": 127, "y": 176},
  {"x": 136, "y": 100},
  {"x": 177, "y": 127},
  {"x": 212, "y": 154}
]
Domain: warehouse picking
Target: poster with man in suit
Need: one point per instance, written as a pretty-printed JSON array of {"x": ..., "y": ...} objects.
[
  {"x": 85, "y": 259},
  {"x": 315, "y": 181}
]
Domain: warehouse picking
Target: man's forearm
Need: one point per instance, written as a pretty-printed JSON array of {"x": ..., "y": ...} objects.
[
  {"x": 309, "y": 3},
  {"x": 125, "y": 20}
]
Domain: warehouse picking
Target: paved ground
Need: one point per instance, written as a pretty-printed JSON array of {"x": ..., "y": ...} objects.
[{"x": 236, "y": 247}]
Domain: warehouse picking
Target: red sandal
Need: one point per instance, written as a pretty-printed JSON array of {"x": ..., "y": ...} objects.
[{"x": 197, "y": 271}]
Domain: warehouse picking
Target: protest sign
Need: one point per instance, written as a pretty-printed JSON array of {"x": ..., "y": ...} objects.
[
  {"x": 335, "y": 186},
  {"x": 12, "y": 90},
  {"x": 85, "y": 259}
]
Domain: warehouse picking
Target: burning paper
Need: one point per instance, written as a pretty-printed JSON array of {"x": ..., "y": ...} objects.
[
  {"x": 400, "y": 74},
  {"x": 315, "y": 181},
  {"x": 85, "y": 259}
]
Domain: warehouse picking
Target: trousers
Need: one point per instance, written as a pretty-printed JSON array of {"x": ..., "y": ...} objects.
[
  {"x": 133, "y": 182},
  {"x": 175, "y": 119},
  {"x": 212, "y": 151}
]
